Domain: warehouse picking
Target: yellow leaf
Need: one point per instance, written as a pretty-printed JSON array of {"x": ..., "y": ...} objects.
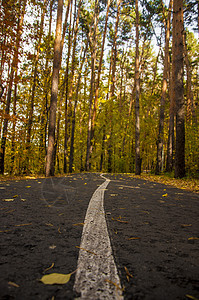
[
  {"x": 15, "y": 196},
  {"x": 49, "y": 268},
  {"x": 13, "y": 284},
  {"x": 8, "y": 200},
  {"x": 193, "y": 238},
  {"x": 191, "y": 297},
  {"x": 55, "y": 278},
  {"x": 28, "y": 186},
  {"x": 82, "y": 224},
  {"x": 113, "y": 195},
  {"x": 134, "y": 238},
  {"x": 165, "y": 195}
]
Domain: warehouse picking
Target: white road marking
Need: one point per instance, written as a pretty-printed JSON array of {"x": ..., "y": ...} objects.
[{"x": 97, "y": 276}]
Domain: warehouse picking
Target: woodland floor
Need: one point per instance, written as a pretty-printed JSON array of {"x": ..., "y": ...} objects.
[{"x": 153, "y": 229}]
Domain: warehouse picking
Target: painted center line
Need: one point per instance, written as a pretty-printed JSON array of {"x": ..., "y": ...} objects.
[{"x": 97, "y": 275}]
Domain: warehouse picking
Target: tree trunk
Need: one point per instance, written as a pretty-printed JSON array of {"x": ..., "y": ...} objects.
[
  {"x": 14, "y": 67},
  {"x": 137, "y": 106},
  {"x": 69, "y": 88},
  {"x": 93, "y": 47},
  {"x": 112, "y": 87},
  {"x": 71, "y": 159},
  {"x": 170, "y": 143},
  {"x": 179, "y": 88},
  {"x": 189, "y": 96},
  {"x": 160, "y": 140},
  {"x": 44, "y": 112},
  {"x": 54, "y": 92}
]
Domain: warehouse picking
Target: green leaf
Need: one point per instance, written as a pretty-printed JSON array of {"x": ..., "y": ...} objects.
[{"x": 55, "y": 278}]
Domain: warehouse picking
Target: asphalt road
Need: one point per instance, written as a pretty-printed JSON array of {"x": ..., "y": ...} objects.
[{"x": 153, "y": 231}]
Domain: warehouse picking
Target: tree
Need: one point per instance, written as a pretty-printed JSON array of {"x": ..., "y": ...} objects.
[
  {"x": 54, "y": 92},
  {"x": 160, "y": 140},
  {"x": 179, "y": 88},
  {"x": 137, "y": 96}
]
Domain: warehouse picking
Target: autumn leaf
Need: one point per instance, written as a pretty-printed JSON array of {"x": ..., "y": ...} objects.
[
  {"x": 134, "y": 238},
  {"x": 8, "y": 200},
  {"x": 128, "y": 274},
  {"x": 82, "y": 224},
  {"x": 86, "y": 250},
  {"x": 13, "y": 284},
  {"x": 191, "y": 297},
  {"x": 165, "y": 195},
  {"x": 28, "y": 186},
  {"x": 193, "y": 238},
  {"x": 49, "y": 268},
  {"x": 115, "y": 284},
  {"x": 55, "y": 278}
]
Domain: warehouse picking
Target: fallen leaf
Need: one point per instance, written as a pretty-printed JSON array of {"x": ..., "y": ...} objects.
[
  {"x": 52, "y": 247},
  {"x": 134, "y": 238},
  {"x": 28, "y": 186},
  {"x": 23, "y": 224},
  {"x": 59, "y": 230},
  {"x": 8, "y": 200},
  {"x": 128, "y": 274},
  {"x": 193, "y": 238},
  {"x": 15, "y": 196},
  {"x": 82, "y": 224},
  {"x": 2, "y": 231},
  {"x": 49, "y": 224},
  {"x": 115, "y": 284},
  {"x": 191, "y": 297},
  {"x": 49, "y": 268},
  {"x": 119, "y": 220},
  {"x": 13, "y": 284},
  {"x": 186, "y": 225},
  {"x": 165, "y": 195},
  {"x": 113, "y": 195},
  {"x": 86, "y": 250},
  {"x": 55, "y": 278}
]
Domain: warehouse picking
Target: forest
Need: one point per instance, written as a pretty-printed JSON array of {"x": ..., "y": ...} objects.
[{"x": 99, "y": 86}]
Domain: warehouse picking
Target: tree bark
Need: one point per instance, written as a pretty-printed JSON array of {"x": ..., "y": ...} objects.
[
  {"x": 14, "y": 67},
  {"x": 71, "y": 159},
  {"x": 54, "y": 93},
  {"x": 137, "y": 90},
  {"x": 93, "y": 47},
  {"x": 160, "y": 140},
  {"x": 32, "y": 100},
  {"x": 179, "y": 88}
]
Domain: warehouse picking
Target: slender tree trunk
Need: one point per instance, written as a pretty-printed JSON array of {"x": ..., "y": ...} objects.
[
  {"x": 14, "y": 67},
  {"x": 32, "y": 100},
  {"x": 93, "y": 47},
  {"x": 69, "y": 89},
  {"x": 99, "y": 71},
  {"x": 170, "y": 143},
  {"x": 137, "y": 105},
  {"x": 54, "y": 93},
  {"x": 44, "y": 113},
  {"x": 112, "y": 87},
  {"x": 74, "y": 113},
  {"x": 179, "y": 88},
  {"x": 190, "y": 103},
  {"x": 160, "y": 140}
]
